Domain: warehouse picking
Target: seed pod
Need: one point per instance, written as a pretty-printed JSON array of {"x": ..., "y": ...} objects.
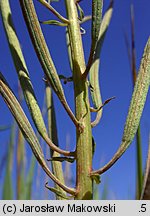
[
  {"x": 94, "y": 70},
  {"x": 43, "y": 53},
  {"x": 135, "y": 110},
  {"x": 24, "y": 76},
  {"x": 27, "y": 130},
  {"x": 97, "y": 6}
]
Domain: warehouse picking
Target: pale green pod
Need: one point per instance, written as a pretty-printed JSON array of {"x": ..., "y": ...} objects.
[
  {"x": 138, "y": 97},
  {"x": 97, "y": 6},
  {"x": 94, "y": 70},
  {"x": 20, "y": 66},
  {"x": 43, "y": 54},
  {"x": 136, "y": 108},
  {"x": 52, "y": 131},
  {"x": 23, "y": 75}
]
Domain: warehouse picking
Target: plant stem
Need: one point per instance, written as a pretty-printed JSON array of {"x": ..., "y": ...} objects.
[{"x": 84, "y": 139}]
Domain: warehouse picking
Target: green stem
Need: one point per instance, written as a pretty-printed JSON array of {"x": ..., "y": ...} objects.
[{"x": 84, "y": 139}]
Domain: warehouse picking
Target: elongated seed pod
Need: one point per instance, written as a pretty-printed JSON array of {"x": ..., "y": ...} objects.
[
  {"x": 94, "y": 71},
  {"x": 97, "y": 6},
  {"x": 20, "y": 66},
  {"x": 43, "y": 54},
  {"x": 27, "y": 130},
  {"x": 52, "y": 131},
  {"x": 135, "y": 110},
  {"x": 24, "y": 76}
]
